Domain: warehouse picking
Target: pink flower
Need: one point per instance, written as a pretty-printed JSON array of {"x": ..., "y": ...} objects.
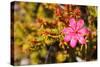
[{"x": 75, "y": 32}]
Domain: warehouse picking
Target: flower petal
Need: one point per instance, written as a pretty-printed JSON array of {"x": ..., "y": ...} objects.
[
  {"x": 73, "y": 42},
  {"x": 81, "y": 39},
  {"x": 83, "y": 31},
  {"x": 80, "y": 24},
  {"x": 72, "y": 23},
  {"x": 67, "y": 30},
  {"x": 67, "y": 38}
]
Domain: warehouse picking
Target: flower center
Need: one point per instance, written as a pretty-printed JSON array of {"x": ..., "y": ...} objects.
[{"x": 76, "y": 31}]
